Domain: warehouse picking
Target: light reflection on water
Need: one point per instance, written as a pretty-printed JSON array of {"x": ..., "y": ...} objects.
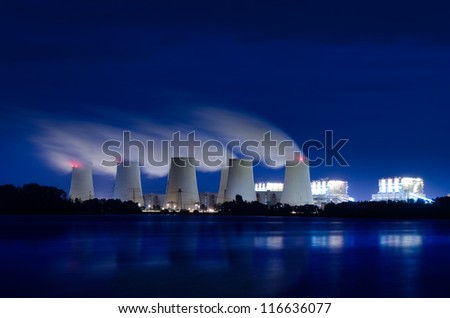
[
  {"x": 210, "y": 256},
  {"x": 405, "y": 240},
  {"x": 269, "y": 242},
  {"x": 329, "y": 241}
]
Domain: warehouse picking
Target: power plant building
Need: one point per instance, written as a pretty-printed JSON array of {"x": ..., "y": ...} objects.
[
  {"x": 181, "y": 189},
  {"x": 323, "y": 192},
  {"x": 128, "y": 183},
  {"x": 297, "y": 183},
  {"x": 81, "y": 185},
  {"x": 154, "y": 201},
  {"x": 326, "y": 191},
  {"x": 400, "y": 189},
  {"x": 268, "y": 192},
  {"x": 208, "y": 201},
  {"x": 240, "y": 180},
  {"x": 222, "y": 186}
]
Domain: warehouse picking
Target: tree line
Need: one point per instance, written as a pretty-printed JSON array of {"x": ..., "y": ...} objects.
[
  {"x": 241, "y": 207},
  {"x": 36, "y": 199}
]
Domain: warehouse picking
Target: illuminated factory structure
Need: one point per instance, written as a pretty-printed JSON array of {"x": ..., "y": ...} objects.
[
  {"x": 81, "y": 185},
  {"x": 128, "y": 183},
  {"x": 297, "y": 183},
  {"x": 327, "y": 191},
  {"x": 236, "y": 179},
  {"x": 400, "y": 189},
  {"x": 322, "y": 192},
  {"x": 240, "y": 180},
  {"x": 222, "y": 186},
  {"x": 181, "y": 189},
  {"x": 154, "y": 201},
  {"x": 269, "y": 192}
]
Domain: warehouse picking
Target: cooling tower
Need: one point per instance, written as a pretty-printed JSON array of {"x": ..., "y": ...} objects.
[
  {"x": 240, "y": 180},
  {"x": 182, "y": 190},
  {"x": 297, "y": 183},
  {"x": 222, "y": 186},
  {"x": 81, "y": 186},
  {"x": 128, "y": 183}
]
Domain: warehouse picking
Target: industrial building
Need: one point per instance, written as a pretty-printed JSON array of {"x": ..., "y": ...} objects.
[
  {"x": 236, "y": 179},
  {"x": 269, "y": 192},
  {"x": 322, "y": 191},
  {"x": 326, "y": 191},
  {"x": 154, "y": 201},
  {"x": 222, "y": 186},
  {"x": 81, "y": 185},
  {"x": 400, "y": 189},
  {"x": 297, "y": 183},
  {"x": 239, "y": 180},
  {"x": 128, "y": 183},
  {"x": 181, "y": 189},
  {"x": 208, "y": 201}
]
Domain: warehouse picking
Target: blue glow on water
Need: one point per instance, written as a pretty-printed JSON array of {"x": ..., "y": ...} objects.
[{"x": 211, "y": 256}]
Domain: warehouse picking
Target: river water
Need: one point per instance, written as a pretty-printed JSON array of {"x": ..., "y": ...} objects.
[{"x": 220, "y": 256}]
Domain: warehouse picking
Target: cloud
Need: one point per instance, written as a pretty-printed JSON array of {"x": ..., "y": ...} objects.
[{"x": 62, "y": 142}]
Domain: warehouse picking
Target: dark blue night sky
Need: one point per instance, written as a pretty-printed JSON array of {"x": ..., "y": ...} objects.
[{"x": 375, "y": 72}]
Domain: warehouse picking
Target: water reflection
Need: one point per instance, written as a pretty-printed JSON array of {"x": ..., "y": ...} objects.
[
  {"x": 269, "y": 242},
  {"x": 406, "y": 240},
  {"x": 329, "y": 241},
  {"x": 168, "y": 256}
]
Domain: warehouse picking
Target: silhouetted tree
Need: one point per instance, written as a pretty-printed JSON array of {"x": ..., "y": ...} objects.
[{"x": 36, "y": 199}]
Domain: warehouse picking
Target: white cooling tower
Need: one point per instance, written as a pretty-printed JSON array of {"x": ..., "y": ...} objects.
[
  {"x": 182, "y": 190},
  {"x": 297, "y": 183},
  {"x": 240, "y": 180},
  {"x": 82, "y": 185},
  {"x": 128, "y": 183},
  {"x": 222, "y": 186}
]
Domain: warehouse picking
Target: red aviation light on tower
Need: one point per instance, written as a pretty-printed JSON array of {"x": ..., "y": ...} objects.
[
  {"x": 81, "y": 185},
  {"x": 298, "y": 159},
  {"x": 75, "y": 165},
  {"x": 297, "y": 182}
]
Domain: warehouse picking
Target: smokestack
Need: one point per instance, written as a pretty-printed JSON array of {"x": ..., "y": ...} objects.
[
  {"x": 297, "y": 183},
  {"x": 182, "y": 190},
  {"x": 222, "y": 186},
  {"x": 128, "y": 183},
  {"x": 82, "y": 185},
  {"x": 240, "y": 180}
]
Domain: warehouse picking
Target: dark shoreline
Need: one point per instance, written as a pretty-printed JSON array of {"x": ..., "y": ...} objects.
[{"x": 33, "y": 199}]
